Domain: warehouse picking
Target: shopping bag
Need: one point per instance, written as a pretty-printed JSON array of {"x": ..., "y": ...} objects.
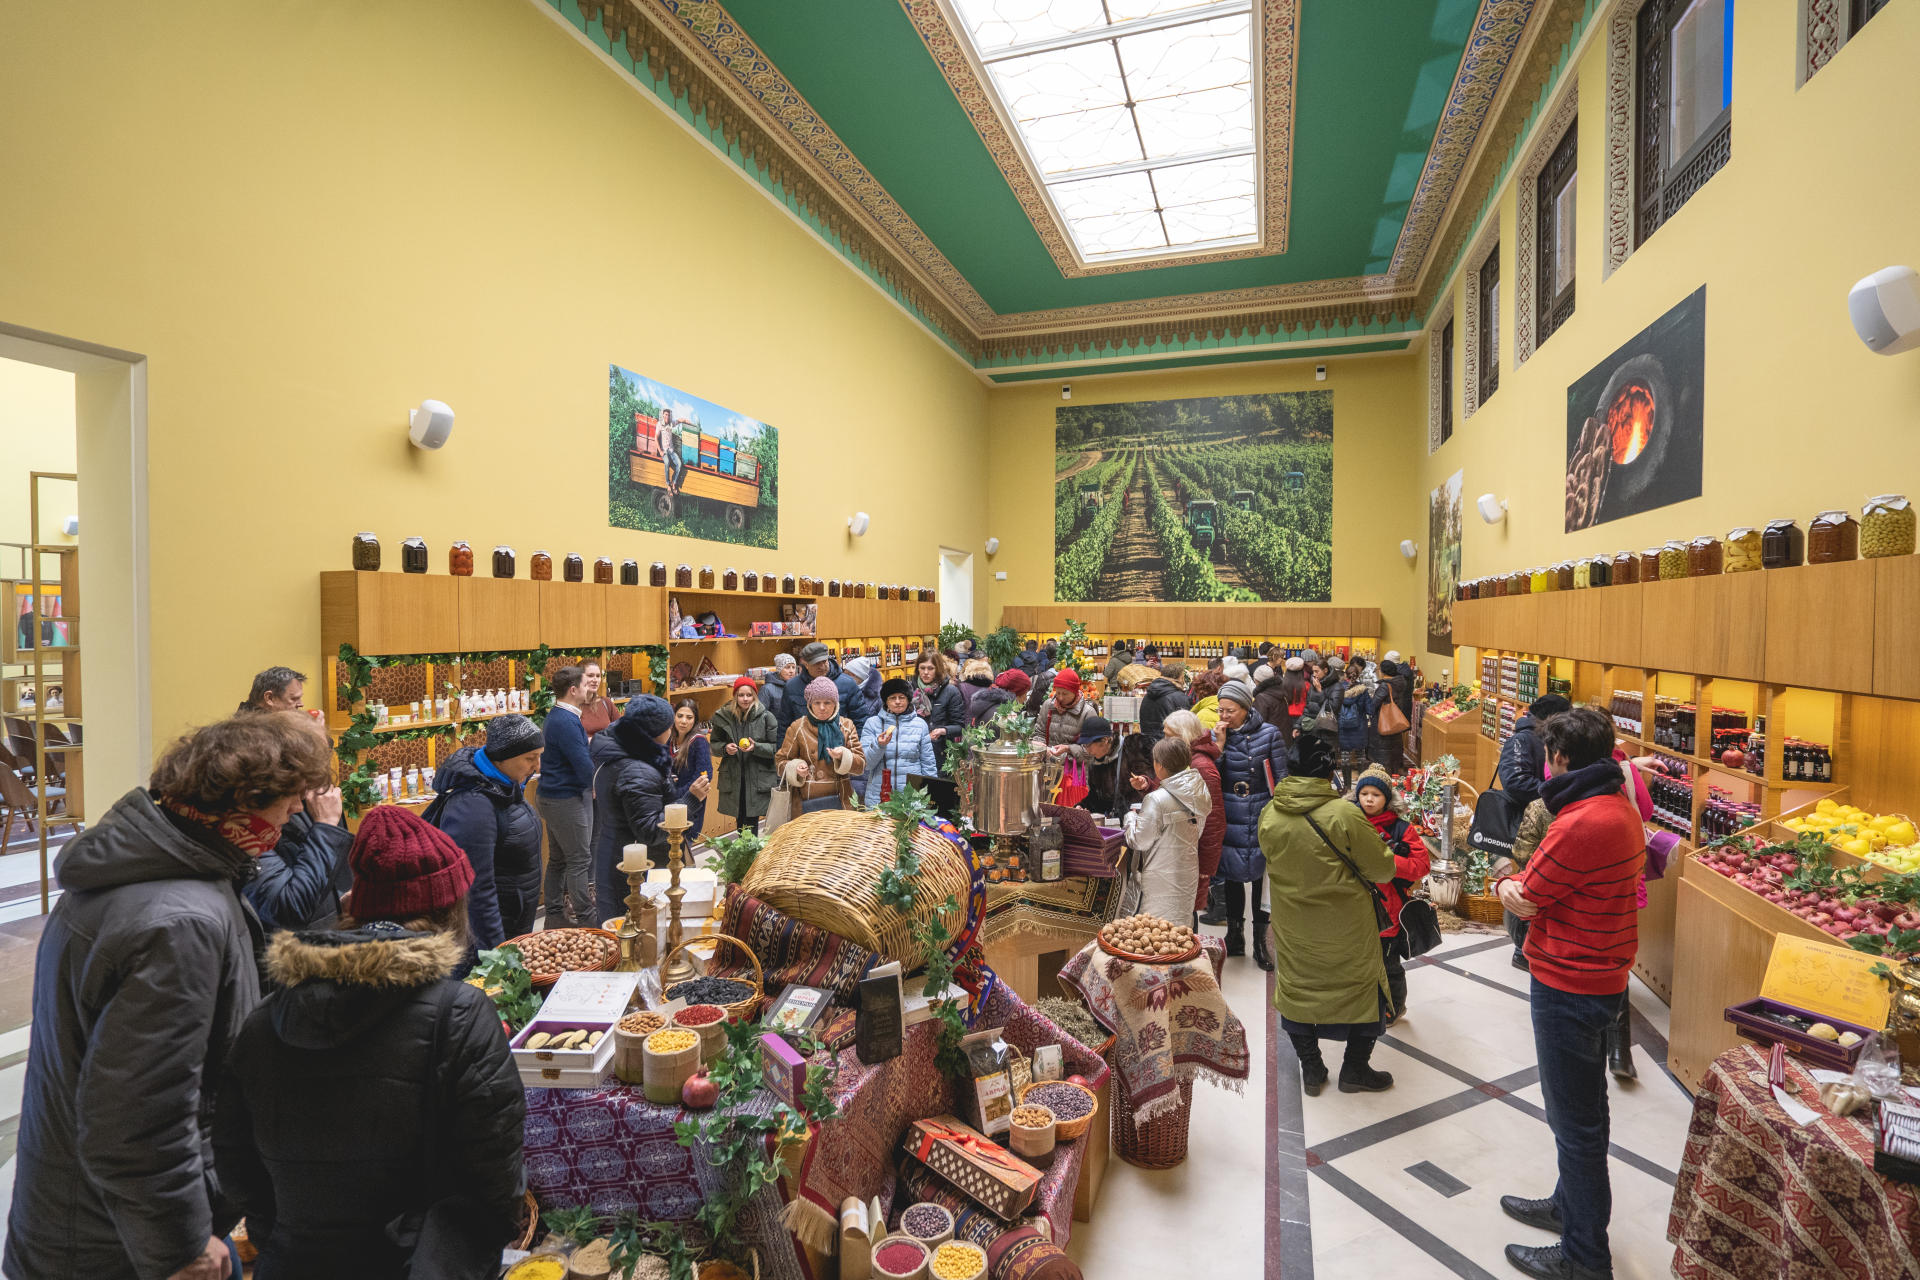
[
  {"x": 1419, "y": 927},
  {"x": 779, "y": 811},
  {"x": 1073, "y": 784},
  {"x": 1392, "y": 719},
  {"x": 1496, "y": 817}
]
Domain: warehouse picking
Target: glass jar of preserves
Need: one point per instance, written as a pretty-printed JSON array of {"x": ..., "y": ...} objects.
[
  {"x": 749, "y": 581},
  {"x": 629, "y": 573},
  {"x": 1464, "y": 591},
  {"x": 1673, "y": 561},
  {"x": 1537, "y": 581},
  {"x": 503, "y": 562},
  {"x": 833, "y": 588},
  {"x": 1833, "y": 536},
  {"x": 657, "y": 574},
  {"x": 859, "y": 591},
  {"x": 933, "y": 595},
  {"x": 683, "y": 575},
  {"x": 1494, "y": 587},
  {"x": 413, "y": 556},
  {"x": 603, "y": 570},
  {"x": 1517, "y": 584},
  {"x": 1602, "y": 574},
  {"x": 1703, "y": 557},
  {"x": 1650, "y": 565},
  {"x": 1583, "y": 573},
  {"x": 1886, "y": 526},
  {"x": 729, "y": 579},
  {"x": 1741, "y": 551},
  {"x": 540, "y": 567},
  {"x": 1626, "y": 568},
  {"x": 1564, "y": 575},
  {"x": 706, "y": 577},
  {"x": 886, "y": 592},
  {"x": 1783, "y": 545},
  {"x": 460, "y": 560},
  {"x": 574, "y": 568},
  {"x": 366, "y": 552},
  {"x": 769, "y": 584},
  {"x": 789, "y": 585}
]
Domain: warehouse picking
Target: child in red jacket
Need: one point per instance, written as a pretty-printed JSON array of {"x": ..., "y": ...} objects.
[{"x": 1411, "y": 862}]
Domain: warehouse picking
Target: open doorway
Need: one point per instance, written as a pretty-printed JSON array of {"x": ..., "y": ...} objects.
[{"x": 956, "y": 587}]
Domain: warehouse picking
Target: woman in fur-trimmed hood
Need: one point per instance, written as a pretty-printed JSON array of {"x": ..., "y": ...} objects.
[{"x": 373, "y": 1088}]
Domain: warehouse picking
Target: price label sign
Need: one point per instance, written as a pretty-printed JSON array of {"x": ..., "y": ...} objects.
[{"x": 1822, "y": 978}]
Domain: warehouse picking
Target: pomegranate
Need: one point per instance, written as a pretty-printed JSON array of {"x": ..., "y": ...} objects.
[{"x": 699, "y": 1093}]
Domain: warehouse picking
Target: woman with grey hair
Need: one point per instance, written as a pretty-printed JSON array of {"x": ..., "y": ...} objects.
[{"x": 785, "y": 665}]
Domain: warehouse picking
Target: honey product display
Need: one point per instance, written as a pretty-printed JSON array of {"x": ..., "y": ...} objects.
[
  {"x": 503, "y": 562},
  {"x": 1886, "y": 527},
  {"x": 1741, "y": 553},
  {"x": 366, "y": 552},
  {"x": 540, "y": 567},
  {"x": 573, "y": 568},
  {"x": 1833, "y": 536},
  {"x": 460, "y": 560},
  {"x": 603, "y": 570},
  {"x": 1783, "y": 545},
  {"x": 1703, "y": 557}
]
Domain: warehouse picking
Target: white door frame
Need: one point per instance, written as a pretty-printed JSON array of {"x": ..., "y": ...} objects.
[{"x": 956, "y": 567}]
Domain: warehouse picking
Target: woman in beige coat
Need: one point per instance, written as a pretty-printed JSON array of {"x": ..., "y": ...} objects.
[{"x": 821, "y": 753}]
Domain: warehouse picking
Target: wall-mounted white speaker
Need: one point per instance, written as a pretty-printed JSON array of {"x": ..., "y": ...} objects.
[{"x": 430, "y": 425}]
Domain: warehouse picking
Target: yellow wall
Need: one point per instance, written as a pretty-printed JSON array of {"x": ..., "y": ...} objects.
[
  {"x": 1799, "y": 416},
  {"x": 309, "y": 218},
  {"x": 36, "y": 434},
  {"x": 1375, "y": 400}
]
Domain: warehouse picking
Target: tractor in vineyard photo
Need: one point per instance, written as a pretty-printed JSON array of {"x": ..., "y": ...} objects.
[{"x": 1203, "y": 530}]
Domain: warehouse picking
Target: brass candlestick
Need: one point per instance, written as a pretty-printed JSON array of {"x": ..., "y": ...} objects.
[
  {"x": 633, "y": 865},
  {"x": 679, "y": 968}
]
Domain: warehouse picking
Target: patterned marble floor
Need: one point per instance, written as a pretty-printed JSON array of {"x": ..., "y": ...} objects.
[{"x": 1403, "y": 1183}]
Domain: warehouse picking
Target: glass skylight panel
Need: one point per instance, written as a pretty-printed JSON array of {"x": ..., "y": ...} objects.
[{"x": 1138, "y": 114}]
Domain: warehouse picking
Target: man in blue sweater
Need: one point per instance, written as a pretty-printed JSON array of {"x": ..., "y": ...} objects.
[{"x": 566, "y": 804}]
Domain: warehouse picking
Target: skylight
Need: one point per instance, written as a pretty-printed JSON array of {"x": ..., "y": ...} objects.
[{"x": 1136, "y": 114}]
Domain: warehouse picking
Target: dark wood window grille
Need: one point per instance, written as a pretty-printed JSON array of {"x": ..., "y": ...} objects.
[
  {"x": 1446, "y": 381},
  {"x": 1665, "y": 181},
  {"x": 1555, "y": 236},
  {"x": 1489, "y": 336},
  {"x": 1862, "y": 12}
]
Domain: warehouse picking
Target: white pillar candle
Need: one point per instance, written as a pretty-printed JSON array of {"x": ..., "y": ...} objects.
[{"x": 676, "y": 817}]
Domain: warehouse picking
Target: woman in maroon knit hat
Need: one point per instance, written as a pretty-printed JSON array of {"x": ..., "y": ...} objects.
[{"x": 373, "y": 1088}]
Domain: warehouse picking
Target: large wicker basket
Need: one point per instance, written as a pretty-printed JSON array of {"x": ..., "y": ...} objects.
[
  {"x": 1160, "y": 1143},
  {"x": 824, "y": 868}
]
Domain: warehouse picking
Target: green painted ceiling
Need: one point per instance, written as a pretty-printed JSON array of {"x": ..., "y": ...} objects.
[{"x": 1372, "y": 78}]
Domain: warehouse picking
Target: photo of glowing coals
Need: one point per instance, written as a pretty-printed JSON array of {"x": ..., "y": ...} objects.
[{"x": 1634, "y": 421}]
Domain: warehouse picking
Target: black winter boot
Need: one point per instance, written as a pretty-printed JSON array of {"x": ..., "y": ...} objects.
[
  {"x": 1620, "y": 1046},
  {"x": 1236, "y": 938},
  {"x": 1216, "y": 912},
  {"x": 1356, "y": 1076},
  {"x": 1313, "y": 1067},
  {"x": 1262, "y": 947}
]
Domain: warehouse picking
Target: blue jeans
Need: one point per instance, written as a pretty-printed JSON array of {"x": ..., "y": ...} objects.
[{"x": 1570, "y": 1040}]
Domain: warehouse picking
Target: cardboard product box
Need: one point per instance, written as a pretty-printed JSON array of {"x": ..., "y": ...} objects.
[
  {"x": 785, "y": 1069},
  {"x": 978, "y": 1167},
  {"x": 587, "y": 1002}
]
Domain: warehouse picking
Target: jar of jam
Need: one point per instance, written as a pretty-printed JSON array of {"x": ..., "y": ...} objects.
[
  {"x": 1563, "y": 573},
  {"x": 1833, "y": 536},
  {"x": 657, "y": 574},
  {"x": 1783, "y": 545},
  {"x": 1626, "y": 568},
  {"x": 1650, "y": 565},
  {"x": 574, "y": 568},
  {"x": 729, "y": 579},
  {"x": 1517, "y": 583},
  {"x": 769, "y": 585},
  {"x": 1704, "y": 557},
  {"x": 789, "y": 585},
  {"x": 540, "y": 567},
  {"x": 1494, "y": 587},
  {"x": 603, "y": 570},
  {"x": 1537, "y": 581},
  {"x": 503, "y": 562},
  {"x": 833, "y": 588},
  {"x": 859, "y": 591},
  {"x": 683, "y": 575},
  {"x": 1583, "y": 573},
  {"x": 1602, "y": 575},
  {"x": 1886, "y": 526},
  {"x": 366, "y": 552},
  {"x": 886, "y": 592},
  {"x": 1673, "y": 561},
  {"x": 413, "y": 556},
  {"x": 749, "y": 581},
  {"x": 933, "y": 595},
  {"x": 706, "y": 577},
  {"x": 460, "y": 560},
  {"x": 629, "y": 573},
  {"x": 1740, "y": 553}
]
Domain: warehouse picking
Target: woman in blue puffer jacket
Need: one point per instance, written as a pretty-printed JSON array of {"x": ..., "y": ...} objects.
[
  {"x": 1253, "y": 757},
  {"x": 896, "y": 743}
]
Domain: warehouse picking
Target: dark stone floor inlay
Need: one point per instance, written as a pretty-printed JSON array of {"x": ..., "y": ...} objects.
[{"x": 1437, "y": 1178}]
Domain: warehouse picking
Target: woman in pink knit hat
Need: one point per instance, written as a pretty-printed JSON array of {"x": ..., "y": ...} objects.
[{"x": 373, "y": 1089}]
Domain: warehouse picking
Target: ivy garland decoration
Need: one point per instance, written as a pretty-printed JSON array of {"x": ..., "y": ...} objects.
[{"x": 906, "y": 809}]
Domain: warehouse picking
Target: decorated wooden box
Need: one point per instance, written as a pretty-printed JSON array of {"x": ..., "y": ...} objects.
[{"x": 978, "y": 1167}]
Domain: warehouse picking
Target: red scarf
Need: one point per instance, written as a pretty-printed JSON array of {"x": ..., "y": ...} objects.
[{"x": 250, "y": 833}]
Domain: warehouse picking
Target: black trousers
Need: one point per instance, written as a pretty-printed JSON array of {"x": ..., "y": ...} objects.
[
  {"x": 1236, "y": 894},
  {"x": 1396, "y": 974}
]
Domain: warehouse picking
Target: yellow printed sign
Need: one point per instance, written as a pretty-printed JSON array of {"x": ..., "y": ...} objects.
[{"x": 1827, "y": 979}]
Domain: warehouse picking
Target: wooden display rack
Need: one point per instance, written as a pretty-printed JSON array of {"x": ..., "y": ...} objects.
[{"x": 1194, "y": 633}]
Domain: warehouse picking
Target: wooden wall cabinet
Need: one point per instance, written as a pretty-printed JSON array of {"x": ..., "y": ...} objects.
[
  {"x": 1716, "y": 624},
  {"x": 388, "y": 613},
  {"x": 495, "y": 614},
  {"x": 1896, "y": 626},
  {"x": 635, "y": 615},
  {"x": 573, "y": 615},
  {"x": 1821, "y": 620}
]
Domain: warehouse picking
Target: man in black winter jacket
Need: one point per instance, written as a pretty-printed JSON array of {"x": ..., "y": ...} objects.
[
  {"x": 1523, "y": 760},
  {"x": 1163, "y": 697}
]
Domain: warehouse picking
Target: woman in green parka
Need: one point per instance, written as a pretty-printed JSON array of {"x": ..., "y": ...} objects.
[
  {"x": 1329, "y": 982},
  {"x": 744, "y": 774}
]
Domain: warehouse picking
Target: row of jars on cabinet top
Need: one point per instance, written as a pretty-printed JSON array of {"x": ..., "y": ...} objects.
[
  {"x": 1886, "y": 529},
  {"x": 413, "y": 559}
]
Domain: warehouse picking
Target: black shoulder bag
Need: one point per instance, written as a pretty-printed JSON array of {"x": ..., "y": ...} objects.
[{"x": 1419, "y": 922}]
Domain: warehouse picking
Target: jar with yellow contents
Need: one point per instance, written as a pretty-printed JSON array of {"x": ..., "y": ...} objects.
[{"x": 1886, "y": 526}]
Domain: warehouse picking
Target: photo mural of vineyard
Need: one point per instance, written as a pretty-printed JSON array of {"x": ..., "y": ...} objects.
[{"x": 1225, "y": 498}]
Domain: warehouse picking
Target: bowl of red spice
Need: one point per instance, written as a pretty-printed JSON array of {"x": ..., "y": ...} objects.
[
  {"x": 900, "y": 1258},
  {"x": 709, "y": 1022}
]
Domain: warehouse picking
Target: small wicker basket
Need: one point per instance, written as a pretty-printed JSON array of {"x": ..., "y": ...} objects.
[
  {"x": 610, "y": 953},
  {"x": 1484, "y": 907},
  {"x": 1068, "y": 1130},
  {"x": 740, "y": 1010},
  {"x": 1160, "y": 1143}
]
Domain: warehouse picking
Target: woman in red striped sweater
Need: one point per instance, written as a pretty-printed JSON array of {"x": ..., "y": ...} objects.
[{"x": 1579, "y": 891}]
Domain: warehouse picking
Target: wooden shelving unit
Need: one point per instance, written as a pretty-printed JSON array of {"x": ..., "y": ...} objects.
[{"x": 1199, "y": 631}]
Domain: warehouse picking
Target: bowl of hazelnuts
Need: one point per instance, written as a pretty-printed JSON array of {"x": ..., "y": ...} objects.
[{"x": 1149, "y": 940}]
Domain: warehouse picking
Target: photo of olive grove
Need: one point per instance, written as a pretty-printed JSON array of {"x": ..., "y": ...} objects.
[{"x": 1223, "y": 498}]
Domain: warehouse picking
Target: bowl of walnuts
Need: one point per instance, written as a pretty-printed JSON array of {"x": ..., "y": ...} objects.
[
  {"x": 552, "y": 952},
  {"x": 1149, "y": 939}
]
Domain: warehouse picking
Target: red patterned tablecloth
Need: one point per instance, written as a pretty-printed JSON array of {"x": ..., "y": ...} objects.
[{"x": 1760, "y": 1196}]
